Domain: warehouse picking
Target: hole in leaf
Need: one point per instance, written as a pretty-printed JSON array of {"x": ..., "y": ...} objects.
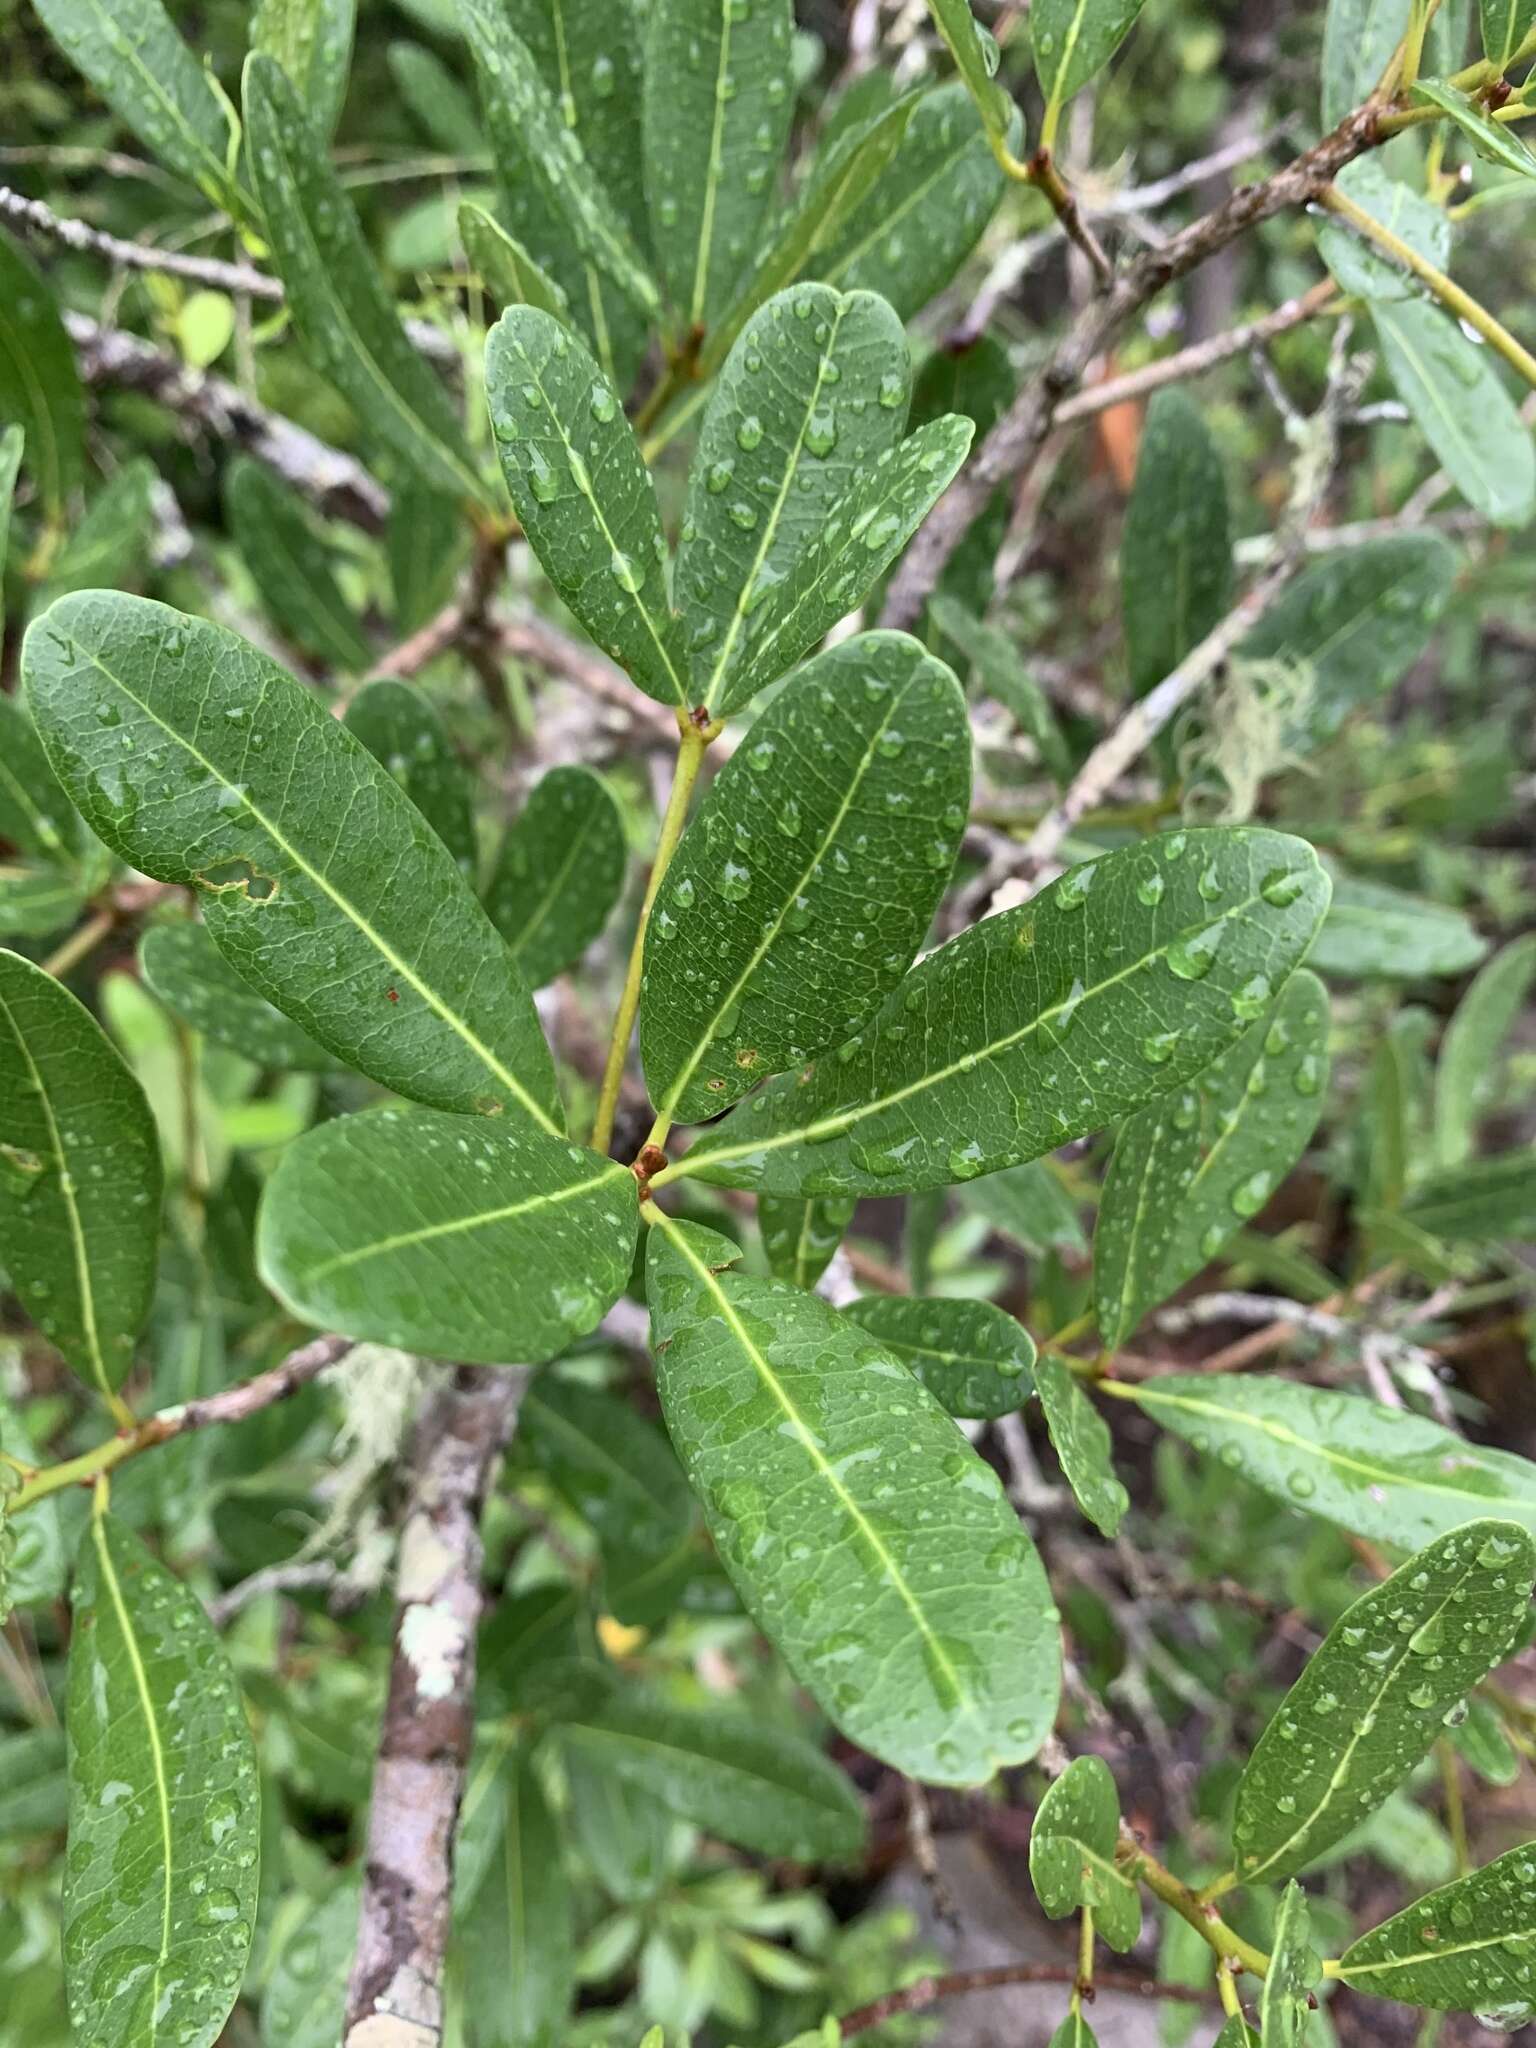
[{"x": 251, "y": 881}]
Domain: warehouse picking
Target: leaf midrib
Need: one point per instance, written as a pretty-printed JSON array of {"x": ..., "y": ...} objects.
[
  {"x": 914, "y": 197},
  {"x": 157, "y": 92},
  {"x": 704, "y": 252}
]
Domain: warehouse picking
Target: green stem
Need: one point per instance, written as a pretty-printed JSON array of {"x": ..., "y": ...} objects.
[
  {"x": 1189, "y": 1906},
  {"x": 1445, "y": 289},
  {"x": 1413, "y": 43},
  {"x": 1226, "y": 1984},
  {"x": 1083, "y": 1988},
  {"x": 1455, "y": 1805}
]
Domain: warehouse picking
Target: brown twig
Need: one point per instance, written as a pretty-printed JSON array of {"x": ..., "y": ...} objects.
[{"x": 928, "y": 1990}]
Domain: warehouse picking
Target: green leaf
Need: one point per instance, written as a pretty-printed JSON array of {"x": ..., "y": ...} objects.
[
  {"x": 111, "y": 543},
  {"x": 1237, "y": 2034},
  {"x": 980, "y": 382},
  {"x": 972, "y": 1064},
  {"x": 1072, "y": 39},
  {"x": 507, "y": 271},
  {"x": 304, "y": 2003},
  {"x": 1358, "y": 620},
  {"x": 519, "y": 1935},
  {"x": 469, "y": 1240},
  {"x": 909, "y": 237},
  {"x": 1485, "y": 1201},
  {"x": 1360, "y": 267},
  {"x": 1505, "y": 24},
  {"x": 1285, "y": 1999},
  {"x": 1464, "y": 1948},
  {"x": 1462, "y": 408},
  {"x": 79, "y": 1176},
  {"x": 1374, "y": 1699},
  {"x": 36, "y": 902},
  {"x": 861, "y": 536},
  {"x": 584, "y": 496},
  {"x": 1359, "y": 37},
  {"x": 133, "y": 54},
  {"x": 1072, "y": 1844},
  {"x": 160, "y": 1880},
  {"x": 1082, "y": 1443},
  {"x": 1191, "y": 1169},
  {"x": 1029, "y": 1205},
  {"x": 422, "y": 545},
  {"x": 813, "y": 391},
  {"x": 926, "y": 1634},
  {"x": 290, "y": 566},
  {"x": 972, "y": 1356},
  {"x": 437, "y": 99},
  {"x": 404, "y": 732},
  {"x": 715, "y": 114},
  {"x": 1372, "y": 930},
  {"x": 976, "y": 58},
  {"x": 1176, "y": 546},
  {"x": 998, "y": 670},
  {"x": 190, "y": 975},
  {"x": 34, "y": 1562},
  {"x": 35, "y": 814},
  {"x": 1493, "y": 140},
  {"x": 808, "y": 879},
  {"x": 312, "y": 41},
  {"x": 343, "y": 316},
  {"x": 1074, "y": 2032},
  {"x": 1379, "y": 1472},
  {"x": 799, "y": 1238},
  {"x": 39, "y": 385},
  {"x": 559, "y": 873},
  {"x": 201, "y": 762},
  {"x": 740, "y": 1780},
  {"x": 1483, "y": 1743},
  {"x": 1469, "y": 1051}
]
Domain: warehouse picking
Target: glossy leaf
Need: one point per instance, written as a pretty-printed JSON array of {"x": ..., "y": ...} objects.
[
  {"x": 201, "y": 762},
  {"x": 806, "y": 883},
  {"x": 160, "y": 1881},
  {"x": 815, "y": 388},
  {"x": 861, "y": 536},
  {"x": 111, "y": 545},
  {"x": 1372, "y": 930},
  {"x": 800, "y": 1238},
  {"x": 972, "y": 1356},
  {"x": 998, "y": 670},
  {"x": 1176, "y": 547},
  {"x": 1081, "y": 1441},
  {"x": 1374, "y": 1699},
  {"x": 1379, "y": 1472},
  {"x": 559, "y": 873},
  {"x": 133, "y": 54},
  {"x": 343, "y": 316},
  {"x": 1493, "y": 140},
  {"x": 191, "y": 976},
  {"x": 79, "y": 1176},
  {"x": 1464, "y": 1948},
  {"x": 1072, "y": 1843},
  {"x": 929, "y": 1642},
  {"x": 975, "y": 55},
  {"x": 987, "y": 1053},
  {"x": 35, "y": 814},
  {"x": 312, "y": 41},
  {"x": 519, "y": 1935},
  {"x": 1358, "y": 620},
  {"x": 1357, "y": 264},
  {"x": 305, "y": 2000},
  {"x": 506, "y": 269},
  {"x": 462, "y": 1239},
  {"x": 1072, "y": 39},
  {"x": 715, "y": 116},
  {"x": 39, "y": 385},
  {"x": 1285, "y": 1998},
  {"x": 1189, "y": 1170},
  {"x": 405, "y": 734},
  {"x": 1462, "y": 408},
  {"x": 290, "y": 567},
  {"x": 585, "y": 498},
  {"x": 934, "y": 199},
  {"x": 1469, "y": 1051},
  {"x": 1484, "y": 1201},
  {"x": 1505, "y": 24},
  {"x": 1074, "y": 2032},
  {"x": 738, "y": 1779}
]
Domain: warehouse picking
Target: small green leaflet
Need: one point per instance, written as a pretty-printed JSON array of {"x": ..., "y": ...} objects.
[
  {"x": 987, "y": 1053},
  {"x": 808, "y": 879},
  {"x": 815, "y": 388},
  {"x": 190, "y": 975},
  {"x": 1074, "y": 2032},
  {"x": 1176, "y": 546},
  {"x": 110, "y": 546},
  {"x": 973, "y": 1357},
  {"x": 740, "y": 1780},
  {"x": 1081, "y": 1441},
  {"x": 290, "y": 566},
  {"x": 559, "y": 873},
  {"x": 1505, "y": 25},
  {"x": 583, "y": 494},
  {"x": 312, "y": 41},
  {"x": 1462, "y": 408},
  {"x": 39, "y": 385},
  {"x": 471, "y": 1239},
  {"x": 1374, "y": 930},
  {"x": 1485, "y": 1201},
  {"x": 519, "y": 1935},
  {"x": 1189, "y": 1170},
  {"x": 1285, "y": 1999},
  {"x": 1493, "y": 140},
  {"x": 998, "y": 670},
  {"x": 1072, "y": 39},
  {"x": 1072, "y": 1844},
  {"x": 1464, "y": 1948},
  {"x": 506, "y": 269},
  {"x": 1358, "y": 265},
  {"x": 715, "y": 118},
  {"x": 160, "y": 1881},
  {"x": 975, "y": 53},
  {"x": 404, "y": 733},
  {"x": 199, "y": 761},
  {"x": 35, "y": 814},
  {"x": 304, "y": 2002},
  {"x": 932, "y": 1643},
  {"x": 1470, "y": 1049},
  {"x": 1379, "y": 1472},
  {"x": 80, "y": 1176},
  {"x": 1375, "y": 1698},
  {"x": 799, "y": 1238},
  {"x": 344, "y": 318}
]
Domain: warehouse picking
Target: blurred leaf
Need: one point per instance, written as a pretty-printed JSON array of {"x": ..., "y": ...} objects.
[
  {"x": 800, "y": 1238},
  {"x": 35, "y": 814},
  {"x": 1029, "y": 1205},
  {"x": 12, "y": 442},
  {"x": 1072, "y": 39},
  {"x": 1469, "y": 1051},
  {"x": 191, "y": 976},
  {"x": 312, "y": 41},
  {"x": 404, "y": 733},
  {"x": 442, "y": 105},
  {"x": 1476, "y": 1925},
  {"x": 1176, "y": 545},
  {"x": 559, "y": 873},
  {"x": 421, "y": 543},
  {"x": 1505, "y": 25},
  {"x": 617, "y": 1470},
  {"x": 623, "y": 1830},
  {"x": 1372, "y": 930},
  {"x": 304, "y": 2004},
  {"x": 1481, "y": 1742},
  {"x": 506, "y": 269},
  {"x": 39, "y": 385},
  {"x": 112, "y": 542},
  {"x": 1458, "y": 399},
  {"x": 1358, "y": 265},
  {"x": 1072, "y": 1844},
  {"x": 1081, "y": 1441},
  {"x": 975, "y": 53},
  {"x": 974, "y": 1358},
  {"x": 998, "y": 670},
  {"x": 34, "y": 1561},
  {"x": 518, "y": 1936},
  {"x": 1484, "y": 1201},
  {"x": 36, "y": 902},
  {"x": 291, "y": 567},
  {"x": 1359, "y": 37}
]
